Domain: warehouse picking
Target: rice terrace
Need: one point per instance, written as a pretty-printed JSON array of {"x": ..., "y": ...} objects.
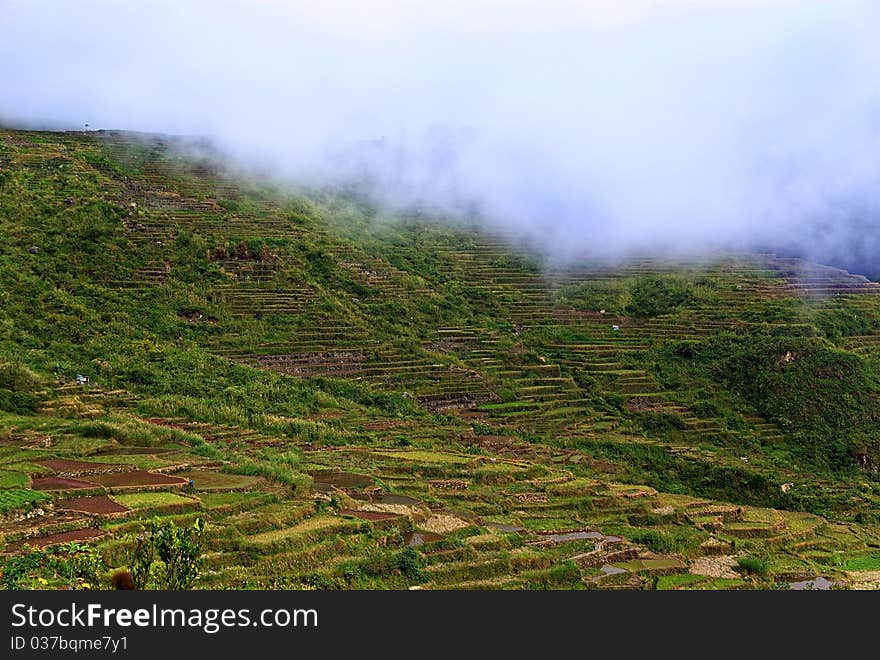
[{"x": 322, "y": 397}]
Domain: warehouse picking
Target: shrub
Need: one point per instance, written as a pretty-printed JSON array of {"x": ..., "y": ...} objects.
[
  {"x": 705, "y": 408},
  {"x": 179, "y": 554},
  {"x": 19, "y": 403},
  {"x": 410, "y": 563},
  {"x": 657, "y": 422},
  {"x": 656, "y": 540},
  {"x": 18, "y": 378},
  {"x": 653, "y": 296},
  {"x": 79, "y": 563},
  {"x": 753, "y": 565},
  {"x": 17, "y": 567},
  {"x": 584, "y": 380}
]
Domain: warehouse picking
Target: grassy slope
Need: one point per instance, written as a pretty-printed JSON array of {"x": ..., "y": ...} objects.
[{"x": 170, "y": 286}]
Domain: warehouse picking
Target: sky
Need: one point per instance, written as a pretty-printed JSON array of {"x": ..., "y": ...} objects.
[{"x": 585, "y": 127}]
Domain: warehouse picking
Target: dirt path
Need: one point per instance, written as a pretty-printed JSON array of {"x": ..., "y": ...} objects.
[{"x": 721, "y": 566}]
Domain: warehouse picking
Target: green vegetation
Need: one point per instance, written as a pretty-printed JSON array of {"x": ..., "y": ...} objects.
[
  {"x": 151, "y": 500},
  {"x": 753, "y": 565},
  {"x": 72, "y": 565},
  {"x": 167, "y": 556},
  {"x": 351, "y": 400},
  {"x": 17, "y": 498},
  {"x": 869, "y": 563},
  {"x": 12, "y": 479},
  {"x": 653, "y": 296},
  {"x": 827, "y": 398}
]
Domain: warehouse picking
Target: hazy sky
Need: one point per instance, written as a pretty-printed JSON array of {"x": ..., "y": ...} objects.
[{"x": 599, "y": 125}]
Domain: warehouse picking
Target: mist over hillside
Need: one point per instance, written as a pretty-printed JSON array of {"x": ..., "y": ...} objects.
[{"x": 582, "y": 128}]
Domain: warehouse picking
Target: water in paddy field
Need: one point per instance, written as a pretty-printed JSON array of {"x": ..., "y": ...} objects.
[
  {"x": 505, "y": 528},
  {"x": 328, "y": 480},
  {"x": 816, "y": 584},
  {"x": 416, "y": 538},
  {"x": 388, "y": 498},
  {"x": 572, "y": 536}
]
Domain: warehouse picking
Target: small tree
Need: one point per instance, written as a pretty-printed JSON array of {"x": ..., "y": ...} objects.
[
  {"x": 142, "y": 560},
  {"x": 180, "y": 550},
  {"x": 179, "y": 554}
]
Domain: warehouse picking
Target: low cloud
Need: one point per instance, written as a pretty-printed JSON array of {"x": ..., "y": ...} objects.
[{"x": 585, "y": 127}]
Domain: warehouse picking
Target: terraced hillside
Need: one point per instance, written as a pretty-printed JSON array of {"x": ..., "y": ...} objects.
[{"x": 352, "y": 400}]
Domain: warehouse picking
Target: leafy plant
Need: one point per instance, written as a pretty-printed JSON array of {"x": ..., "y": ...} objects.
[
  {"x": 142, "y": 560},
  {"x": 80, "y": 562},
  {"x": 180, "y": 551},
  {"x": 653, "y": 296},
  {"x": 753, "y": 565},
  {"x": 167, "y": 556},
  {"x": 17, "y": 567}
]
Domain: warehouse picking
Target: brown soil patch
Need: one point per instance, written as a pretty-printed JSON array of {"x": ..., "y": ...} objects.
[
  {"x": 388, "y": 498},
  {"x": 496, "y": 442},
  {"x": 331, "y": 414},
  {"x": 367, "y": 515},
  {"x": 641, "y": 403},
  {"x": 416, "y": 538},
  {"x": 133, "y": 451},
  {"x": 716, "y": 567},
  {"x": 531, "y": 498},
  {"x": 449, "y": 484},
  {"x": 605, "y": 466},
  {"x": 85, "y": 534},
  {"x": 340, "y": 479},
  {"x": 397, "y": 509},
  {"x": 215, "y": 480},
  {"x": 66, "y": 465},
  {"x": 96, "y": 504},
  {"x": 311, "y": 364},
  {"x": 56, "y": 483},
  {"x": 865, "y": 580},
  {"x": 136, "y": 478},
  {"x": 442, "y": 523},
  {"x": 33, "y": 440}
]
